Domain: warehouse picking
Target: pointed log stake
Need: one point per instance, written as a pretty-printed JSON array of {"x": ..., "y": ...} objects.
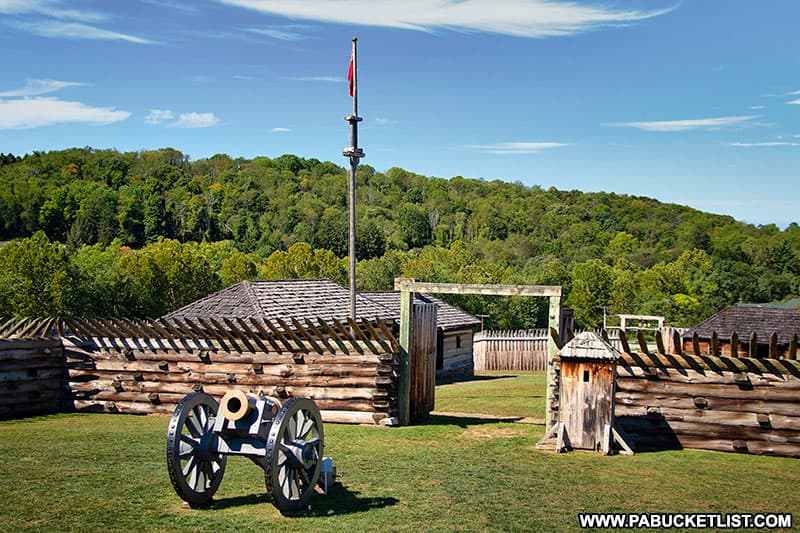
[
  {"x": 556, "y": 338},
  {"x": 734, "y": 345},
  {"x": 792, "y": 347},
  {"x": 714, "y": 344},
  {"x": 642, "y": 342},
  {"x": 696, "y": 343},
  {"x": 773, "y": 345},
  {"x": 660, "y": 343},
  {"x": 623, "y": 340},
  {"x": 753, "y": 350},
  {"x": 677, "y": 342}
]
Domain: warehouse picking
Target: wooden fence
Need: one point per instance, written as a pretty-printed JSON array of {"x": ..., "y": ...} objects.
[
  {"x": 679, "y": 400},
  {"x": 32, "y": 377},
  {"x": 422, "y": 361},
  {"x": 139, "y": 366},
  {"x": 517, "y": 350}
]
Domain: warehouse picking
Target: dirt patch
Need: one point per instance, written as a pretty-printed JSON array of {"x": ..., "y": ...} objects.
[{"x": 484, "y": 432}]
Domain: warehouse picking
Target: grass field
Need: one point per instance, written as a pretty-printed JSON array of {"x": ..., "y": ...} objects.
[{"x": 107, "y": 472}]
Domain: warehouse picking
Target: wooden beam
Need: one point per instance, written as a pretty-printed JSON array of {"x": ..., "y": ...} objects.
[
  {"x": 412, "y": 285},
  {"x": 406, "y": 315}
]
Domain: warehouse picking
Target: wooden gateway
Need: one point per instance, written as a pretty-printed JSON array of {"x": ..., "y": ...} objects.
[{"x": 587, "y": 386}]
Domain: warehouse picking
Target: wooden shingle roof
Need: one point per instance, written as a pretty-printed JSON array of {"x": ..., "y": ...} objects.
[
  {"x": 764, "y": 321},
  {"x": 448, "y": 316},
  {"x": 284, "y": 299}
]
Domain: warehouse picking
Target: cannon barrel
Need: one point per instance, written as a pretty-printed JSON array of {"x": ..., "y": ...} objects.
[{"x": 236, "y": 405}]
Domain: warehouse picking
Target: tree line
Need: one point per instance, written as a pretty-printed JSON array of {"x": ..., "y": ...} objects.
[{"x": 105, "y": 233}]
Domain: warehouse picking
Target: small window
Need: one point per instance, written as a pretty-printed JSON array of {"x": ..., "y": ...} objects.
[
  {"x": 458, "y": 341},
  {"x": 586, "y": 376}
]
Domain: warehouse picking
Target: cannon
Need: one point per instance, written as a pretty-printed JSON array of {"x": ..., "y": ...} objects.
[{"x": 285, "y": 440}]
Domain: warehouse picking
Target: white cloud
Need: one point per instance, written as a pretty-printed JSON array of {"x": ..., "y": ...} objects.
[
  {"x": 34, "y": 87},
  {"x": 758, "y": 107},
  {"x": 332, "y": 79},
  {"x": 521, "y": 18},
  {"x": 794, "y": 102},
  {"x": 195, "y": 120},
  {"x": 514, "y": 147},
  {"x": 281, "y": 33},
  {"x": 280, "y": 130},
  {"x": 159, "y": 116},
  {"x": 687, "y": 125},
  {"x": 48, "y": 8},
  {"x": 37, "y": 112},
  {"x": 764, "y": 144},
  {"x": 75, "y": 30},
  {"x": 383, "y": 121}
]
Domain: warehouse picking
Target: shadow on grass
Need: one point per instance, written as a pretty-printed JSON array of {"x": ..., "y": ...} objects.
[
  {"x": 471, "y": 379},
  {"x": 465, "y": 420},
  {"x": 341, "y": 500}
]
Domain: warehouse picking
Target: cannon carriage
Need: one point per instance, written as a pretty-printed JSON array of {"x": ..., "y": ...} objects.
[{"x": 286, "y": 440}]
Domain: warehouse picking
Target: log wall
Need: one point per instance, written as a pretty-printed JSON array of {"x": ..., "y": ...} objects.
[
  {"x": 678, "y": 400},
  {"x": 31, "y": 377},
  {"x": 456, "y": 353},
  {"x": 351, "y": 370}
]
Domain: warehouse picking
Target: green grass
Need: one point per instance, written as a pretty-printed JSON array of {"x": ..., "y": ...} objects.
[
  {"x": 95, "y": 472},
  {"x": 496, "y": 392}
]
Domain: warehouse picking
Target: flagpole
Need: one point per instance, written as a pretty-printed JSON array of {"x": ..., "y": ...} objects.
[{"x": 355, "y": 154}]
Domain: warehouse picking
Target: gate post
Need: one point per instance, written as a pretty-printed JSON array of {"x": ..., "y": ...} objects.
[
  {"x": 404, "y": 393},
  {"x": 554, "y": 319}
]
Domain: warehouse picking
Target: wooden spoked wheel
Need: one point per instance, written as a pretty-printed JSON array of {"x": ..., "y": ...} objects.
[
  {"x": 194, "y": 468},
  {"x": 294, "y": 455}
]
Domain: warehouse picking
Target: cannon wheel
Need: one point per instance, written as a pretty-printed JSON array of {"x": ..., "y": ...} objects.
[
  {"x": 194, "y": 468},
  {"x": 294, "y": 456}
]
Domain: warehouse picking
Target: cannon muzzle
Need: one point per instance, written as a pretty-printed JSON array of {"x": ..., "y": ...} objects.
[{"x": 236, "y": 405}]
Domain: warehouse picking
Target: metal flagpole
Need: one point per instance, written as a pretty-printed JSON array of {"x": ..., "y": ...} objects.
[{"x": 355, "y": 154}]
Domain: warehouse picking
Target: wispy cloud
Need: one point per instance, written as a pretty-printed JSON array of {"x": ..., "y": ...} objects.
[
  {"x": 34, "y": 87},
  {"x": 281, "y": 33},
  {"x": 687, "y": 125},
  {"x": 280, "y": 130},
  {"x": 178, "y": 6},
  {"x": 331, "y": 79},
  {"x": 383, "y": 121},
  {"x": 758, "y": 107},
  {"x": 195, "y": 120},
  {"x": 764, "y": 144},
  {"x": 48, "y": 8},
  {"x": 521, "y": 18},
  {"x": 75, "y": 30},
  {"x": 794, "y": 102},
  {"x": 504, "y": 148},
  {"x": 36, "y": 112},
  {"x": 159, "y": 116},
  {"x": 166, "y": 117}
]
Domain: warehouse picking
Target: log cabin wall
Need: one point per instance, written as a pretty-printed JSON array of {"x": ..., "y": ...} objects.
[
  {"x": 456, "y": 352},
  {"x": 681, "y": 400},
  {"x": 31, "y": 377},
  {"x": 351, "y": 371}
]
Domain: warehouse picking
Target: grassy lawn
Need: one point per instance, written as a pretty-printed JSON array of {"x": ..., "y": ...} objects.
[
  {"x": 496, "y": 392},
  {"x": 107, "y": 472}
]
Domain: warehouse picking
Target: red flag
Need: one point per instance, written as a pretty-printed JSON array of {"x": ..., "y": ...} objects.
[{"x": 350, "y": 74}]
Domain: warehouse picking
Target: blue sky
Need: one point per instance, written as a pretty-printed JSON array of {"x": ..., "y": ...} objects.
[{"x": 693, "y": 102}]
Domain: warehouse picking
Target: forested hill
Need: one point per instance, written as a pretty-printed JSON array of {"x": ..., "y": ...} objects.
[{"x": 631, "y": 254}]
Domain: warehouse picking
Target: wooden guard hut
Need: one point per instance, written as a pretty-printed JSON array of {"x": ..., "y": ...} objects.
[{"x": 587, "y": 385}]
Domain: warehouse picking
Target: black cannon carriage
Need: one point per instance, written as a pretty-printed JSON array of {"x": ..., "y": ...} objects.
[{"x": 286, "y": 440}]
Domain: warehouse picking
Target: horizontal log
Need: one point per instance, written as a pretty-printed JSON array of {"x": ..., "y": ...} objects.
[
  {"x": 227, "y": 357},
  {"x": 30, "y": 374},
  {"x": 725, "y": 418},
  {"x": 38, "y": 362},
  {"x": 24, "y": 387},
  {"x": 134, "y": 381},
  {"x": 650, "y": 425},
  {"x": 352, "y": 417},
  {"x": 644, "y": 400},
  {"x": 749, "y": 446},
  {"x": 35, "y": 396},
  {"x": 744, "y": 392},
  {"x": 23, "y": 355},
  {"x": 29, "y": 344},
  {"x": 709, "y": 377},
  {"x": 30, "y": 408}
]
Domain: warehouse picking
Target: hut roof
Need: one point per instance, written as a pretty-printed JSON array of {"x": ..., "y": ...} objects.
[
  {"x": 284, "y": 299},
  {"x": 588, "y": 345},
  {"x": 743, "y": 321},
  {"x": 448, "y": 316}
]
